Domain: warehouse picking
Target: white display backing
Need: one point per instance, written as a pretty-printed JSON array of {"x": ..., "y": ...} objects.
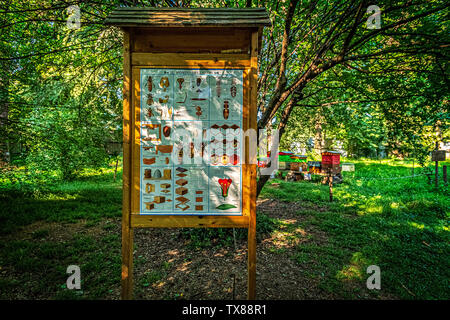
[{"x": 204, "y": 110}]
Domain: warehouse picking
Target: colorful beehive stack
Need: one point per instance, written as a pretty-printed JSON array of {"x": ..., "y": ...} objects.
[
  {"x": 314, "y": 167},
  {"x": 298, "y": 163},
  {"x": 289, "y": 161}
]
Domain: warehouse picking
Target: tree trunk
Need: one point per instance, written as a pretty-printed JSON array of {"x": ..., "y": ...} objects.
[
  {"x": 5, "y": 69},
  {"x": 4, "y": 112},
  {"x": 297, "y": 96},
  {"x": 319, "y": 139}
]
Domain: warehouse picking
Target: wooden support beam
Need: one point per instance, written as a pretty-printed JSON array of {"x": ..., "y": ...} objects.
[
  {"x": 188, "y": 221},
  {"x": 251, "y": 294},
  {"x": 127, "y": 231},
  {"x": 205, "y": 60}
]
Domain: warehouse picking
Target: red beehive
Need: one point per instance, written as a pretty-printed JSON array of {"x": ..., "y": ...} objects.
[{"x": 331, "y": 157}]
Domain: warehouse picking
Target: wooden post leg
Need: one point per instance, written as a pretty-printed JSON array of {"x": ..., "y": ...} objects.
[
  {"x": 127, "y": 262},
  {"x": 127, "y": 231},
  {"x": 252, "y": 123},
  {"x": 251, "y": 281}
]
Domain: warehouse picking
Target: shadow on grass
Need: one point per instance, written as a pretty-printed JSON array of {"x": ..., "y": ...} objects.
[
  {"x": 37, "y": 269},
  {"x": 401, "y": 226},
  {"x": 65, "y": 202}
]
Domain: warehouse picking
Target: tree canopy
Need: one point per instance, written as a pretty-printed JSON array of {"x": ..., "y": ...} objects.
[{"x": 324, "y": 73}]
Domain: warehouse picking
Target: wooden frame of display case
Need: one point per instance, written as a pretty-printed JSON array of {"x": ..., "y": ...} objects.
[{"x": 186, "y": 38}]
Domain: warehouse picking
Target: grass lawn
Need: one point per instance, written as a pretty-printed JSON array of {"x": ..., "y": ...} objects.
[
  {"x": 401, "y": 225},
  {"x": 45, "y": 226}
]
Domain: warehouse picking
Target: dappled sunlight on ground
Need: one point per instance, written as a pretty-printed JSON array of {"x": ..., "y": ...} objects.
[
  {"x": 355, "y": 270},
  {"x": 287, "y": 235},
  {"x": 184, "y": 266},
  {"x": 419, "y": 226},
  {"x": 374, "y": 209}
]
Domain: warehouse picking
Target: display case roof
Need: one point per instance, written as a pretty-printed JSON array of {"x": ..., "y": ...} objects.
[{"x": 188, "y": 17}]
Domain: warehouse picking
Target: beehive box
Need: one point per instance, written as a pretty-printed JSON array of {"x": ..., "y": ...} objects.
[
  {"x": 328, "y": 167},
  {"x": 303, "y": 167},
  {"x": 283, "y": 165},
  {"x": 287, "y": 156},
  {"x": 314, "y": 166},
  {"x": 331, "y": 157},
  {"x": 348, "y": 167},
  {"x": 298, "y": 158}
]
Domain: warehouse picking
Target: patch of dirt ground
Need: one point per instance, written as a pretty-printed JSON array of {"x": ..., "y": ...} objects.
[
  {"x": 165, "y": 267},
  {"x": 221, "y": 273}
]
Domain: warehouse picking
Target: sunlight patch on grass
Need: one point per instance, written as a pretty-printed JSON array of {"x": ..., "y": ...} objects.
[
  {"x": 351, "y": 272},
  {"x": 88, "y": 172},
  {"x": 350, "y": 204},
  {"x": 395, "y": 205},
  {"x": 300, "y": 231},
  {"x": 289, "y": 236},
  {"x": 53, "y": 197},
  {"x": 283, "y": 223},
  {"x": 358, "y": 183},
  {"x": 355, "y": 270},
  {"x": 374, "y": 209},
  {"x": 420, "y": 226}
]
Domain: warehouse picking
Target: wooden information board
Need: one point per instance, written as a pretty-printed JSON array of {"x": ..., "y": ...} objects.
[{"x": 189, "y": 122}]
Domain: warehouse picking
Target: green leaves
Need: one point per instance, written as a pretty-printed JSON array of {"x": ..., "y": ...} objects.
[
  {"x": 64, "y": 97},
  {"x": 226, "y": 206},
  {"x": 62, "y": 86}
]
